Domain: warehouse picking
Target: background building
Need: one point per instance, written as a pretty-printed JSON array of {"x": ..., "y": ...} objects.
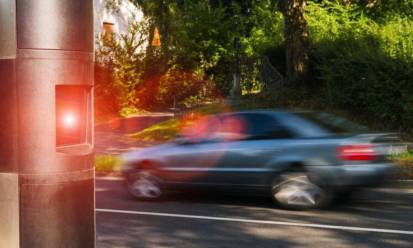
[{"x": 115, "y": 14}]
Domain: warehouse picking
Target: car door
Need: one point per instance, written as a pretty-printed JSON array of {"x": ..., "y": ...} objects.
[
  {"x": 229, "y": 150},
  {"x": 253, "y": 139},
  {"x": 197, "y": 155}
]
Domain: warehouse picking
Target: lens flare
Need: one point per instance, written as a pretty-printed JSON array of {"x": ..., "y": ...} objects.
[{"x": 69, "y": 119}]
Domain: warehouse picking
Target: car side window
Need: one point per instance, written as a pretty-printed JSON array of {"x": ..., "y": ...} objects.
[
  {"x": 251, "y": 126},
  {"x": 201, "y": 131},
  {"x": 232, "y": 127},
  {"x": 263, "y": 126}
]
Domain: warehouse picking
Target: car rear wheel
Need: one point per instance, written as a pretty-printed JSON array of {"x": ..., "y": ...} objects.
[
  {"x": 145, "y": 185},
  {"x": 296, "y": 190}
]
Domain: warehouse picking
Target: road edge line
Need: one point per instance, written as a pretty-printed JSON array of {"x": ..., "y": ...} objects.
[{"x": 267, "y": 222}]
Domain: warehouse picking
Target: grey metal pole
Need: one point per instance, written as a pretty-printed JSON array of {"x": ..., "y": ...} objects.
[{"x": 46, "y": 144}]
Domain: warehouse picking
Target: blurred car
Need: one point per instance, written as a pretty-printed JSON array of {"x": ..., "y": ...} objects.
[{"x": 299, "y": 159}]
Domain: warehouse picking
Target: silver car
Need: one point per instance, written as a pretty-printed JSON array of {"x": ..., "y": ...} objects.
[{"x": 299, "y": 159}]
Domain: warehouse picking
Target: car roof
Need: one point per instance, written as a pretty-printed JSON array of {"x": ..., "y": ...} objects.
[{"x": 290, "y": 120}]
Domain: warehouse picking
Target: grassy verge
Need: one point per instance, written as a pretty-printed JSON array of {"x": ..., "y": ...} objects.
[
  {"x": 171, "y": 128},
  {"x": 162, "y": 131},
  {"x": 107, "y": 164},
  {"x": 405, "y": 163}
]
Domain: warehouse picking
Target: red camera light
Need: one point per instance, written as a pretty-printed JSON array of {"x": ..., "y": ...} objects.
[
  {"x": 72, "y": 111},
  {"x": 69, "y": 120}
]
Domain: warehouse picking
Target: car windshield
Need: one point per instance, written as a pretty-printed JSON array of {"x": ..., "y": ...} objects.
[{"x": 333, "y": 124}]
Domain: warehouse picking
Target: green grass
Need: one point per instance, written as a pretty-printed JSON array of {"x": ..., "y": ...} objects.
[
  {"x": 130, "y": 111},
  {"x": 171, "y": 128},
  {"x": 405, "y": 162},
  {"x": 405, "y": 157},
  {"x": 212, "y": 108},
  {"x": 107, "y": 163},
  {"x": 162, "y": 131}
]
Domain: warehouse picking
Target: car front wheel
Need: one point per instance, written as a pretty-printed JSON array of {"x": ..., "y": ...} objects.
[
  {"x": 145, "y": 185},
  {"x": 296, "y": 190}
]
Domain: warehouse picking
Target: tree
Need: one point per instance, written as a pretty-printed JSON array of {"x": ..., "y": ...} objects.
[
  {"x": 195, "y": 36},
  {"x": 123, "y": 56},
  {"x": 296, "y": 40}
]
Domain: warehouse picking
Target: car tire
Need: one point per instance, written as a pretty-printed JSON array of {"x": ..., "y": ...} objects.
[
  {"x": 298, "y": 191},
  {"x": 145, "y": 185}
]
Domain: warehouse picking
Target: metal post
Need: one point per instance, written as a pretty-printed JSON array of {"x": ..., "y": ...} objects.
[{"x": 46, "y": 144}]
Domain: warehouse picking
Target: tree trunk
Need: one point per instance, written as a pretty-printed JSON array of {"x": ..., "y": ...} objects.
[{"x": 296, "y": 41}]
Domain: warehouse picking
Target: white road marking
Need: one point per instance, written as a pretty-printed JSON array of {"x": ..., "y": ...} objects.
[{"x": 267, "y": 222}]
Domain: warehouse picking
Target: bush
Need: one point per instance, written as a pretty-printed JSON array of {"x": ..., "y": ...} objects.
[
  {"x": 364, "y": 66},
  {"x": 177, "y": 87},
  {"x": 105, "y": 94},
  {"x": 121, "y": 61}
]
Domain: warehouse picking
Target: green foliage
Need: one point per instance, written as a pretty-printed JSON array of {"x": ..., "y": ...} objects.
[
  {"x": 198, "y": 36},
  {"x": 177, "y": 87},
  {"x": 361, "y": 55},
  {"x": 128, "y": 111},
  {"x": 405, "y": 163},
  {"x": 203, "y": 40},
  {"x": 267, "y": 30},
  {"x": 404, "y": 157},
  {"x": 106, "y": 95},
  {"x": 204, "y": 33},
  {"x": 123, "y": 56},
  {"x": 107, "y": 163},
  {"x": 362, "y": 65}
]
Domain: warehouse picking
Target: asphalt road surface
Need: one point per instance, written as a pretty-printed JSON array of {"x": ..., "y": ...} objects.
[{"x": 374, "y": 218}]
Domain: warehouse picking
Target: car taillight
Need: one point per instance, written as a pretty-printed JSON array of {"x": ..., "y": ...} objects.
[{"x": 357, "y": 152}]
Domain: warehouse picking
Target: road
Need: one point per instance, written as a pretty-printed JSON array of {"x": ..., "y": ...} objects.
[{"x": 375, "y": 218}]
